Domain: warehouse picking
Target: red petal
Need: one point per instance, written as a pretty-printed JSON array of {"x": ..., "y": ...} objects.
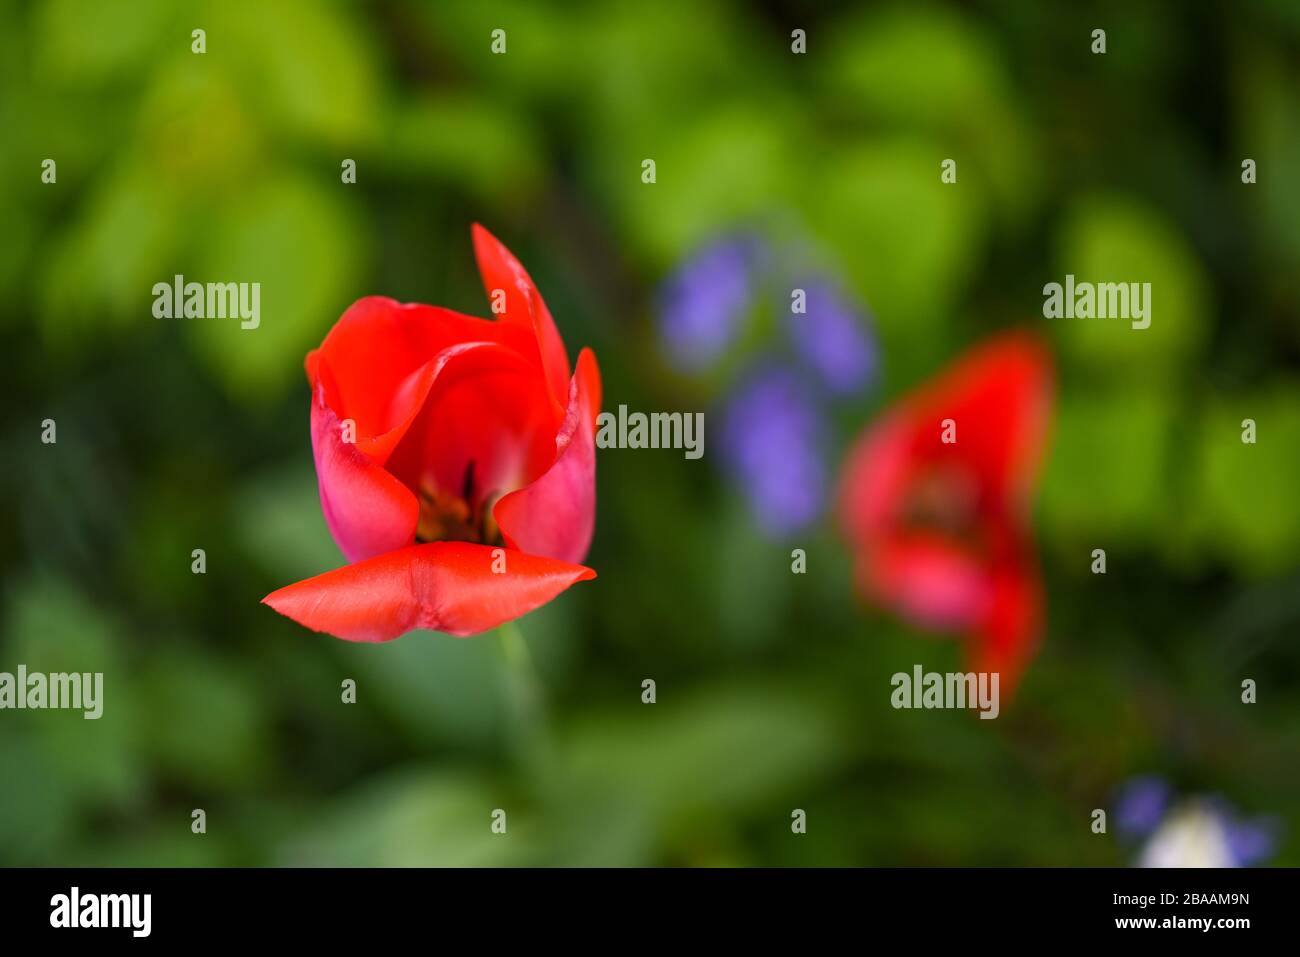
[
  {"x": 368, "y": 507},
  {"x": 377, "y": 355},
  {"x": 875, "y": 473},
  {"x": 1009, "y": 634},
  {"x": 933, "y": 581},
  {"x": 998, "y": 395},
  {"x": 444, "y": 586},
  {"x": 367, "y": 510},
  {"x": 523, "y": 307},
  {"x": 556, "y": 514},
  {"x": 488, "y": 407},
  {"x": 980, "y": 577}
]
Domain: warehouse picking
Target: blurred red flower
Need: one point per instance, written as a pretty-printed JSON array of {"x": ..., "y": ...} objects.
[
  {"x": 456, "y": 460},
  {"x": 934, "y": 500}
]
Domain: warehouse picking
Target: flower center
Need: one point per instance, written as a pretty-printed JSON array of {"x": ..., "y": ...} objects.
[
  {"x": 945, "y": 502},
  {"x": 451, "y": 517}
]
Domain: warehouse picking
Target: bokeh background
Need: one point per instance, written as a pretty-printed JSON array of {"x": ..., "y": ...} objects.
[{"x": 773, "y": 170}]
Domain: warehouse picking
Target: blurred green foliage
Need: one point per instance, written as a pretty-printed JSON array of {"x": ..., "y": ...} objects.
[{"x": 772, "y": 688}]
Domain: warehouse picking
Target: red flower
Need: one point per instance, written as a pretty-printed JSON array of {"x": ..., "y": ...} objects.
[
  {"x": 940, "y": 528},
  {"x": 456, "y": 459}
]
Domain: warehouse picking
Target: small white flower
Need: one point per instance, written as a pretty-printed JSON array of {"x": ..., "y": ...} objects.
[{"x": 1193, "y": 835}]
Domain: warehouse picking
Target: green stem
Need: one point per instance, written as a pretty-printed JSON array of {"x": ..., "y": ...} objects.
[{"x": 527, "y": 730}]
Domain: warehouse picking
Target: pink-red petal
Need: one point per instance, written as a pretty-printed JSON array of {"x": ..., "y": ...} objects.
[
  {"x": 368, "y": 511},
  {"x": 932, "y": 580},
  {"x": 524, "y": 307},
  {"x": 998, "y": 396},
  {"x": 455, "y": 587},
  {"x": 556, "y": 514},
  {"x": 1008, "y": 635}
]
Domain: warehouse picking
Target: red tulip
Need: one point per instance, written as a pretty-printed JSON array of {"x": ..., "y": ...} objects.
[
  {"x": 456, "y": 460},
  {"x": 939, "y": 528}
]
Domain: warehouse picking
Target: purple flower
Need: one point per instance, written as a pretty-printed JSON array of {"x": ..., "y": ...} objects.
[
  {"x": 831, "y": 338},
  {"x": 1194, "y": 832},
  {"x": 771, "y": 443},
  {"x": 1250, "y": 840},
  {"x": 1141, "y": 804},
  {"x": 702, "y": 303}
]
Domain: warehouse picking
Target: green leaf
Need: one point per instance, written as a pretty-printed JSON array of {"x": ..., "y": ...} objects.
[
  {"x": 308, "y": 68},
  {"x": 909, "y": 241},
  {"x": 90, "y": 43},
  {"x": 101, "y": 269},
  {"x": 937, "y": 72},
  {"x": 1107, "y": 478},
  {"x": 303, "y": 244},
  {"x": 415, "y": 818},
  {"x": 215, "y": 734},
  {"x": 93, "y": 763},
  {"x": 1113, "y": 239},
  {"x": 730, "y": 747},
  {"x": 279, "y": 522},
  {"x": 439, "y": 688},
  {"x": 1246, "y": 505},
  {"x": 473, "y": 142},
  {"x": 730, "y": 166}
]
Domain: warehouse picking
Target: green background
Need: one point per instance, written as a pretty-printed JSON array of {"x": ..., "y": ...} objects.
[{"x": 773, "y": 688}]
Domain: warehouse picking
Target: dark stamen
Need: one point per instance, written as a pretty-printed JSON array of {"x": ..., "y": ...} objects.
[
  {"x": 446, "y": 517},
  {"x": 467, "y": 489}
]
